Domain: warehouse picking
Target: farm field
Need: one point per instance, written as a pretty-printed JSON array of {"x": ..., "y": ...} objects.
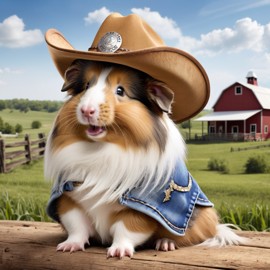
[
  {"x": 25, "y": 119},
  {"x": 25, "y": 189}
]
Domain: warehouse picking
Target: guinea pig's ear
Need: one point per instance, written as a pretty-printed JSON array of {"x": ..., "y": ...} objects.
[
  {"x": 71, "y": 76},
  {"x": 161, "y": 94}
]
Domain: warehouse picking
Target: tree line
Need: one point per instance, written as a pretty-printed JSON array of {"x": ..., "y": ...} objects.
[{"x": 25, "y": 105}]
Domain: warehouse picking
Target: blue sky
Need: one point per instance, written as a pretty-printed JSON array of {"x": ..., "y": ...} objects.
[{"x": 228, "y": 37}]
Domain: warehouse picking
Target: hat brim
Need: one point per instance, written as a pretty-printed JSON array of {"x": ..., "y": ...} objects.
[{"x": 179, "y": 70}]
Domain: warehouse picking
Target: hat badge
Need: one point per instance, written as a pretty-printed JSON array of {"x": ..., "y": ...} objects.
[{"x": 110, "y": 42}]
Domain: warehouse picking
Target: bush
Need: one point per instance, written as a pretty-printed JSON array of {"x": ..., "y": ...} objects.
[
  {"x": 186, "y": 124},
  {"x": 219, "y": 165},
  {"x": 8, "y": 129},
  {"x": 256, "y": 164},
  {"x": 36, "y": 125},
  {"x": 18, "y": 128}
]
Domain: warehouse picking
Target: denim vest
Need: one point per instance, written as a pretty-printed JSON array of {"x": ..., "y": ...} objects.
[{"x": 172, "y": 206}]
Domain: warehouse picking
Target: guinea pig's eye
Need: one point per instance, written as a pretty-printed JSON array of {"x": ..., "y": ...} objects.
[{"x": 120, "y": 91}]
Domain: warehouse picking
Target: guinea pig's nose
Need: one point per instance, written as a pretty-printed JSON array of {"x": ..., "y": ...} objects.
[{"x": 88, "y": 111}]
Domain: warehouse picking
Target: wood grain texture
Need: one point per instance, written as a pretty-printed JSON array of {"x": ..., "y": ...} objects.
[{"x": 32, "y": 245}]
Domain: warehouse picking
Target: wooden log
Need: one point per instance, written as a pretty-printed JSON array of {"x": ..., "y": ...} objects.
[
  {"x": 32, "y": 245},
  {"x": 15, "y": 154},
  {"x": 14, "y": 164},
  {"x": 15, "y": 144}
]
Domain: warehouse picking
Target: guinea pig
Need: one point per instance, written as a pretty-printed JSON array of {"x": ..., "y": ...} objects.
[{"x": 117, "y": 162}]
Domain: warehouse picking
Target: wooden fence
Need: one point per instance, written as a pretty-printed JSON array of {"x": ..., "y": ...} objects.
[
  {"x": 15, "y": 154},
  {"x": 233, "y": 149}
]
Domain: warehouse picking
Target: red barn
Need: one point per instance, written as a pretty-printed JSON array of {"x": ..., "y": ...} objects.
[{"x": 242, "y": 112}]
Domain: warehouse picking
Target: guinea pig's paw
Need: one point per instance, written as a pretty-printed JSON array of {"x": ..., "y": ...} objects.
[
  {"x": 70, "y": 246},
  {"x": 165, "y": 244},
  {"x": 120, "y": 250}
]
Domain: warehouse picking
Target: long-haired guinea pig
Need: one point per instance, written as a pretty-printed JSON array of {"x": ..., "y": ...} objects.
[{"x": 117, "y": 163}]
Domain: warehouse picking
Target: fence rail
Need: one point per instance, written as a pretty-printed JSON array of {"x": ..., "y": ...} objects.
[
  {"x": 15, "y": 154},
  {"x": 234, "y": 149},
  {"x": 221, "y": 137}
]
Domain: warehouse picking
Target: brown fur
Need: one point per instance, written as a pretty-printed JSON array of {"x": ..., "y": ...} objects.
[
  {"x": 65, "y": 204},
  {"x": 202, "y": 226},
  {"x": 67, "y": 129},
  {"x": 128, "y": 122},
  {"x": 131, "y": 121}
]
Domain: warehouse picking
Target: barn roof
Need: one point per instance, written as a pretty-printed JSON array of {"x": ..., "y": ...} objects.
[
  {"x": 261, "y": 93},
  {"x": 228, "y": 116}
]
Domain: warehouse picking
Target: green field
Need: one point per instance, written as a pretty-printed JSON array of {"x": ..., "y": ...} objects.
[
  {"x": 14, "y": 117},
  {"x": 235, "y": 195}
]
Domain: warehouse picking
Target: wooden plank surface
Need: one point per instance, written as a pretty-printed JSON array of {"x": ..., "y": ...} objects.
[{"x": 32, "y": 245}]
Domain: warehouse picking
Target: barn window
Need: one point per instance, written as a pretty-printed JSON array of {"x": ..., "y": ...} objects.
[
  {"x": 238, "y": 90},
  {"x": 266, "y": 129},
  {"x": 234, "y": 129},
  {"x": 253, "y": 128},
  {"x": 212, "y": 129}
]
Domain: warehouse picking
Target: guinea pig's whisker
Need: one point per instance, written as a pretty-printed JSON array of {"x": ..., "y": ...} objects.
[{"x": 117, "y": 126}]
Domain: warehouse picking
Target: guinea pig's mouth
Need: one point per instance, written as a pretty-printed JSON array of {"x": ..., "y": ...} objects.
[{"x": 94, "y": 131}]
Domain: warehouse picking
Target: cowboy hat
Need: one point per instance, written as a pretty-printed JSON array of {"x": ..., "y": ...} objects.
[{"x": 130, "y": 41}]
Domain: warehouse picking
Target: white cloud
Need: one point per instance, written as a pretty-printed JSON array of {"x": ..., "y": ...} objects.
[
  {"x": 6, "y": 70},
  {"x": 245, "y": 35},
  {"x": 97, "y": 16},
  {"x": 166, "y": 27},
  {"x": 13, "y": 34}
]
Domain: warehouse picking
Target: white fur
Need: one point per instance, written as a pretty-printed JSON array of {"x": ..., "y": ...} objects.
[
  {"x": 79, "y": 228},
  {"x": 93, "y": 98},
  {"x": 110, "y": 170},
  {"x": 107, "y": 171},
  {"x": 124, "y": 240},
  {"x": 225, "y": 236}
]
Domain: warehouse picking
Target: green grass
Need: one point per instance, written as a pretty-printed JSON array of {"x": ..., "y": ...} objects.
[
  {"x": 199, "y": 155},
  {"x": 252, "y": 218},
  {"x": 22, "y": 209},
  {"x": 14, "y": 117},
  {"x": 26, "y": 182},
  {"x": 240, "y": 198}
]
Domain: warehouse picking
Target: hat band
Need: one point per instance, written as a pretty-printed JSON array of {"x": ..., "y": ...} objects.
[{"x": 118, "y": 50}]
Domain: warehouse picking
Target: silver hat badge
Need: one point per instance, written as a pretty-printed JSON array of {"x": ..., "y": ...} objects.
[{"x": 110, "y": 42}]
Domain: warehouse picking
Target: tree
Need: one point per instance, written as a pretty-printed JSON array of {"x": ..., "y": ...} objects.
[
  {"x": 2, "y": 105},
  {"x": 36, "y": 124}
]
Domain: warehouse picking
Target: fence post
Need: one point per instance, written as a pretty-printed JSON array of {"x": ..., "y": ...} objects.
[
  {"x": 2, "y": 157},
  {"x": 42, "y": 143},
  {"x": 27, "y": 148}
]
